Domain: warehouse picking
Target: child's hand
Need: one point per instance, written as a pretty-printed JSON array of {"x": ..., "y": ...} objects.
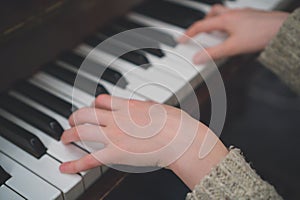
[
  {"x": 248, "y": 30},
  {"x": 134, "y": 133}
]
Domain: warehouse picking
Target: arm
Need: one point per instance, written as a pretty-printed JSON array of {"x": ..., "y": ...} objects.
[
  {"x": 164, "y": 136},
  {"x": 130, "y": 128},
  {"x": 278, "y": 35},
  {"x": 282, "y": 55}
]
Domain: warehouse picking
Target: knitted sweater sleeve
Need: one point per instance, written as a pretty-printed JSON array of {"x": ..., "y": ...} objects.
[
  {"x": 282, "y": 55},
  {"x": 233, "y": 178}
]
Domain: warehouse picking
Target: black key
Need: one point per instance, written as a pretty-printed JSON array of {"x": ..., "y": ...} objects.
[
  {"x": 137, "y": 57},
  {"x": 156, "y": 52},
  {"x": 134, "y": 40},
  {"x": 210, "y": 2},
  {"x": 93, "y": 40},
  {"x": 4, "y": 176},
  {"x": 69, "y": 77},
  {"x": 45, "y": 98},
  {"x": 22, "y": 138},
  {"x": 160, "y": 36},
  {"x": 170, "y": 12},
  {"x": 107, "y": 74},
  {"x": 32, "y": 116}
]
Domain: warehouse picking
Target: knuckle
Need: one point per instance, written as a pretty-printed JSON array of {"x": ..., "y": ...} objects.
[
  {"x": 227, "y": 17},
  {"x": 79, "y": 112},
  {"x": 101, "y": 97},
  {"x": 90, "y": 161},
  {"x": 75, "y": 133},
  {"x": 216, "y": 7},
  {"x": 85, "y": 110},
  {"x": 193, "y": 28},
  {"x": 197, "y": 24}
]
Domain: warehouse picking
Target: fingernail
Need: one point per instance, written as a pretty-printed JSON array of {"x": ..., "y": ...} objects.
[
  {"x": 71, "y": 121},
  {"x": 63, "y": 140},
  {"x": 63, "y": 167}
]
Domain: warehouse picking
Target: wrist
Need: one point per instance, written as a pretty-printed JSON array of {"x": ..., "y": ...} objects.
[{"x": 190, "y": 168}]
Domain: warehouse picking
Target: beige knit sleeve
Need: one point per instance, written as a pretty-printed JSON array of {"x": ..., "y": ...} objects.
[
  {"x": 233, "y": 178},
  {"x": 282, "y": 55}
]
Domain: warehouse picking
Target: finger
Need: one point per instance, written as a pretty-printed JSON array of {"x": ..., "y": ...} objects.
[
  {"x": 84, "y": 163},
  {"x": 91, "y": 116},
  {"x": 108, "y": 102},
  {"x": 222, "y": 50},
  {"x": 85, "y": 132},
  {"x": 206, "y": 25},
  {"x": 215, "y": 10}
]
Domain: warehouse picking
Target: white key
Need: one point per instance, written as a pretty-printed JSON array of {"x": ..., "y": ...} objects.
[
  {"x": 193, "y": 4},
  {"x": 172, "y": 55},
  {"x": 62, "y": 121},
  {"x": 153, "y": 73},
  {"x": 113, "y": 90},
  {"x": 204, "y": 39},
  {"x": 45, "y": 167},
  {"x": 258, "y": 4},
  {"x": 183, "y": 54},
  {"x": 119, "y": 92},
  {"x": 142, "y": 85},
  {"x": 173, "y": 70},
  {"x": 177, "y": 60},
  {"x": 61, "y": 87},
  {"x": 26, "y": 183},
  {"x": 57, "y": 149},
  {"x": 56, "y": 84},
  {"x": 7, "y": 193},
  {"x": 180, "y": 68},
  {"x": 166, "y": 71},
  {"x": 56, "y": 93}
]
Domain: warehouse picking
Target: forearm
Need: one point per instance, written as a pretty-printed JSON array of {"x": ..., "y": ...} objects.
[
  {"x": 221, "y": 174},
  {"x": 190, "y": 168}
]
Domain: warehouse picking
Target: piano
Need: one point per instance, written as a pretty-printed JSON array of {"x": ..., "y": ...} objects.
[{"x": 42, "y": 48}]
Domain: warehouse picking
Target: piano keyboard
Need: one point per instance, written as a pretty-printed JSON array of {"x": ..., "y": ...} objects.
[{"x": 34, "y": 113}]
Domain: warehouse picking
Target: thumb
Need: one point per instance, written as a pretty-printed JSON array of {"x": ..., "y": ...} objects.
[{"x": 206, "y": 25}]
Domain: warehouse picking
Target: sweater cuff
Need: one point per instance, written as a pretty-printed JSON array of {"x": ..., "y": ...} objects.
[
  {"x": 282, "y": 55},
  {"x": 233, "y": 178}
]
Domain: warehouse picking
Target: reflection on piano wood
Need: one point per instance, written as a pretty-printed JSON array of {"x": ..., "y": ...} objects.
[{"x": 34, "y": 112}]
